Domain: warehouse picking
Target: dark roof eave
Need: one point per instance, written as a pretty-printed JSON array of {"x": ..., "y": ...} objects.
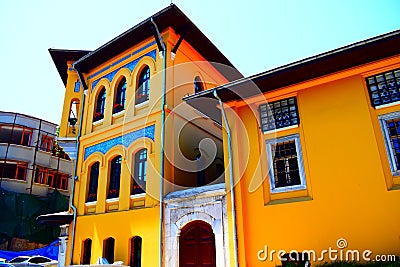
[
  {"x": 346, "y": 57},
  {"x": 170, "y": 16},
  {"x": 62, "y": 56}
]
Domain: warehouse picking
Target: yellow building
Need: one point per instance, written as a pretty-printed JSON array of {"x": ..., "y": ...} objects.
[
  {"x": 315, "y": 155},
  {"x": 136, "y": 137},
  {"x": 310, "y": 151}
]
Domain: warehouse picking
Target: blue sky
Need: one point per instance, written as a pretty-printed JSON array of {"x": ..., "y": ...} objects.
[{"x": 255, "y": 35}]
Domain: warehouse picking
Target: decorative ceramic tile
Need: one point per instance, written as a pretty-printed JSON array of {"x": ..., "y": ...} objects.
[
  {"x": 126, "y": 140},
  {"x": 77, "y": 87},
  {"x": 131, "y": 66}
]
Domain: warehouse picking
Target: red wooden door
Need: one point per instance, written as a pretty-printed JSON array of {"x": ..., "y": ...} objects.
[{"x": 197, "y": 245}]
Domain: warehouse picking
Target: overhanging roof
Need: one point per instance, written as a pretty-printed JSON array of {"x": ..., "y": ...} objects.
[
  {"x": 54, "y": 219},
  {"x": 62, "y": 56},
  {"x": 357, "y": 54},
  {"x": 170, "y": 16}
]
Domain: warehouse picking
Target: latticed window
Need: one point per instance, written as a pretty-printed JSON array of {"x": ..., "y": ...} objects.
[
  {"x": 384, "y": 88},
  {"x": 143, "y": 89},
  {"x": 279, "y": 114},
  {"x": 120, "y": 96},
  {"x": 198, "y": 85},
  {"x": 100, "y": 105},
  {"x": 87, "y": 251},
  {"x": 115, "y": 174},
  {"x": 41, "y": 175},
  {"x": 390, "y": 124},
  {"x": 140, "y": 172},
  {"x": 286, "y": 168},
  {"x": 13, "y": 170},
  {"x": 136, "y": 252},
  {"x": 285, "y": 164},
  {"x": 47, "y": 143},
  {"x": 93, "y": 180}
]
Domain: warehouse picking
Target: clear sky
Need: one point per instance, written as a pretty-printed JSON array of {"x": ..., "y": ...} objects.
[{"x": 274, "y": 32}]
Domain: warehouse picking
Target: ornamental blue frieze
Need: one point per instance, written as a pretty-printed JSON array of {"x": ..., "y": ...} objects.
[
  {"x": 126, "y": 140},
  {"x": 131, "y": 66}
]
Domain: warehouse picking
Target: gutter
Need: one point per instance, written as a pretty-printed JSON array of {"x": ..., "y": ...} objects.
[
  {"x": 231, "y": 183},
  {"x": 71, "y": 203},
  {"x": 163, "y": 54}
]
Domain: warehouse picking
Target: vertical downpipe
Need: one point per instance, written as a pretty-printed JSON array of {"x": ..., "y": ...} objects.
[
  {"x": 71, "y": 203},
  {"x": 231, "y": 182},
  {"x": 162, "y": 140}
]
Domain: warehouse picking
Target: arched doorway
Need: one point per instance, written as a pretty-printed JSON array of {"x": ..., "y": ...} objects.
[{"x": 197, "y": 245}]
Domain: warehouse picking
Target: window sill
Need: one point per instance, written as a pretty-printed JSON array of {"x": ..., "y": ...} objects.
[
  {"x": 281, "y": 129},
  {"x": 95, "y": 123},
  {"x": 388, "y": 105},
  {"x": 142, "y": 195},
  {"x": 288, "y": 189},
  {"x": 112, "y": 200},
  {"x": 91, "y": 203},
  {"x": 122, "y": 112},
  {"x": 142, "y": 105}
]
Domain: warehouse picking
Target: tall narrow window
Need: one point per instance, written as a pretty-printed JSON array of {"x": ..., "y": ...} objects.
[
  {"x": 73, "y": 113},
  {"x": 87, "y": 251},
  {"x": 136, "y": 252},
  {"x": 41, "y": 175},
  {"x": 108, "y": 249},
  {"x": 93, "y": 179},
  {"x": 100, "y": 105},
  {"x": 143, "y": 89},
  {"x": 286, "y": 171},
  {"x": 140, "y": 171},
  {"x": 119, "y": 104},
  {"x": 115, "y": 174},
  {"x": 198, "y": 84},
  {"x": 47, "y": 143}
]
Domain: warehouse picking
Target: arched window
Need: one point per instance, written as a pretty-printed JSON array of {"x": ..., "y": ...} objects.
[
  {"x": 120, "y": 96},
  {"x": 143, "y": 89},
  {"x": 86, "y": 251},
  {"x": 136, "y": 252},
  {"x": 198, "y": 84},
  {"x": 115, "y": 174},
  {"x": 93, "y": 179},
  {"x": 108, "y": 249},
  {"x": 139, "y": 172},
  {"x": 100, "y": 105},
  {"x": 73, "y": 113}
]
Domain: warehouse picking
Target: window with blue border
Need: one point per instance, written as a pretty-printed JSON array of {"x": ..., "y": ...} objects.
[
  {"x": 286, "y": 170},
  {"x": 390, "y": 124}
]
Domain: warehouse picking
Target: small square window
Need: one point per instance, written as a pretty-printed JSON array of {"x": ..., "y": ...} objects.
[
  {"x": 390, "y": 124},
  {"x": 279, "y": 114},
  {"x": 286, "y": 171},
  {"x": 384, "y": 88}
]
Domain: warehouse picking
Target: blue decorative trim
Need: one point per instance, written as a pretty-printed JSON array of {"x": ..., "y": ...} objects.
[
  {"x": 126, "y": 140},
  {"x": 77, "y": 87},
  {"x": 122, "y": 59},
  {"x": 131, "y": 65}
]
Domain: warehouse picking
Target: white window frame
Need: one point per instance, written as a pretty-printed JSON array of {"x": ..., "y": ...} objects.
[
  {"x": 269, "y": 143},
  {"x": 385, "y": 131}
]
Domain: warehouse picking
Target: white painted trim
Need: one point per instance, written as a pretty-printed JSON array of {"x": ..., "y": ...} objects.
[
  {"x": 138, "y": 196},
  {"x": 269, "y": 143},
  {"x": 388, "y": 105},
  {"x": 281, "y": 129},
  {"x": 91, "y": 203},
  {"x": 95, "y": 123},
  {"x": 118, "y": 113},
  {"x": 142, "y": 105},
  {"x": 112, "y": 200},
  {"x": 385, "y": 132}
]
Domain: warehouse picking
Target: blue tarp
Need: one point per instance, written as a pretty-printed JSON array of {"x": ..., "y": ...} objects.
[{"x": 50, "y": 251}]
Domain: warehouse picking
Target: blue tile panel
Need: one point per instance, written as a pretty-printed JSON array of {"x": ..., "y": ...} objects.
[
  {"x": 131, "y": 65},
  {"x": 126, "y": 140},
  {"x": 77, "y": 87}
]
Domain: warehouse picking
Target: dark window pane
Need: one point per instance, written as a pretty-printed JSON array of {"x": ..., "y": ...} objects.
[
  {"x": 279, "y": 114},
  {"x": 383, "y": 88},
  {"x": 286, "y": 168}
]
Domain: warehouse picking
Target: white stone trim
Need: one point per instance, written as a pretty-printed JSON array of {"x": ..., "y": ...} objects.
[{"x": 207, "y": 204}]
